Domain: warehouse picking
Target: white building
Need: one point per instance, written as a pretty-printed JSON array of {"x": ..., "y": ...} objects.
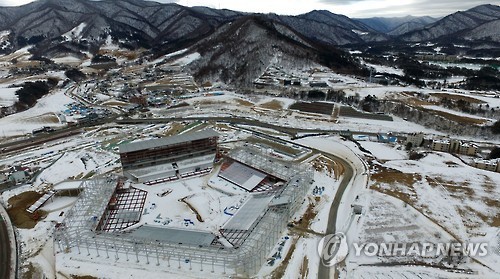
[
  {"x": 490, "y": 165},
  {"x": 468, "y": 149},
  {"x": 19, "y": 177},
  {"x": 415, "y": 139},
  {"x": 441, "y": 145}
]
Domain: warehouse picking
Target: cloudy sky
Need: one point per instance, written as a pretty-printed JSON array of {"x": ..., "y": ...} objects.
[{"x": 351, "y": 8}]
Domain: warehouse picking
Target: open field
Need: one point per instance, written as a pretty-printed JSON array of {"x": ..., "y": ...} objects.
[{"x": 456, "y": 97}]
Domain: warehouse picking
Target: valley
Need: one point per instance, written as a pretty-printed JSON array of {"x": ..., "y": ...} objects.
[{"x": 162, "y": 140}]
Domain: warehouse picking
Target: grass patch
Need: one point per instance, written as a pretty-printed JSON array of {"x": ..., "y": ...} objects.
[
  {"x": 455, "y": 97},
  {"x": 457, "y": 118},
  {"x": 279, "y": 272},
  {"x": 274, "y": 104},
  {"x": 29, "y": 272},
  {"x": 175, "y": 129},
  {"x": 44, "y": 118},
  {"x": 245, "y": 103},
  {"x": 331, "y": 167},
  {"x": 304, "y": 268},
  {"x": 405, "y": 181}
]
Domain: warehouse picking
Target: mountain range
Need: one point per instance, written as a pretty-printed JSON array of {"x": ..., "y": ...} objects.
[{"x": 224, "y": 37}]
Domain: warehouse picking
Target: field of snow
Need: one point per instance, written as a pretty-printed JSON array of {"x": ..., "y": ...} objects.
[
  {"x": 164, "y": 206},
  {"x": 461, "y": 200},
  {"x": 454, "y": 112},
  {"x": 7, "y": 96},
  {"x": 67, "y": 59},
  {"x": 385, "y": 69},
  {"x": 74, "y": 33},
  {"x": 42, "y": 114},
  {"x": 384, "y": 151},
  {"x": 186, "y": 60},
  {"x": 77, "y": 164}
]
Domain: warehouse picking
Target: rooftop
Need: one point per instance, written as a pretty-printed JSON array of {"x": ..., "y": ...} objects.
[
  {"x": 155, "y": 143},
  {"x": 250, "y": 212}
]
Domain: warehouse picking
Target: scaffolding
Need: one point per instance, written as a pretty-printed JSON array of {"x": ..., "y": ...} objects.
[
  {"x": 78, "y": 231},
  {"x": 254, "y": 158}
]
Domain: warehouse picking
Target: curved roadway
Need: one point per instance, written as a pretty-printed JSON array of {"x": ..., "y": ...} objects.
[{"x": 323, "y": 272}]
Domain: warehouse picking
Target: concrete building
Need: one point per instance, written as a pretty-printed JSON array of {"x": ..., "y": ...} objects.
[
  {"x": 468, "y": 149},
  {"x": 169, "y": 157},
  {"x": 19, "y": 177},
  {"x": 490, "y": 165},
  {"x": 455, "y": 146},
  {"x": 441, "y": 145},
  {"x": 415, "y": 139}
]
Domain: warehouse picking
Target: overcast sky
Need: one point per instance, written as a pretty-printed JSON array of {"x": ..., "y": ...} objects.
[{"x": 351, "y": 8}]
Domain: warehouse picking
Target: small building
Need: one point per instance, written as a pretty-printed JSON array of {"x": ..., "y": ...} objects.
[
  {"x": 415, "y": 139},
  {"x": 441, "y": 145},
  {"x": 357, "y": 209},
  {"x": 19, "y": 177}
]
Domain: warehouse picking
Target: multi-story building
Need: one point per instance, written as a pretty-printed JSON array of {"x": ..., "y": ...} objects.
[
  {"x": 490, "y": 165},
  {"x": 415, "y": 139},
  {"x": 441, "y": 145},
  {"x": 468, "y": 149},
  {"x": 168, "y": 157}
]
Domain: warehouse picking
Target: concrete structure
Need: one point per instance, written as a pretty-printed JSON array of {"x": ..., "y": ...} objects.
[
  {"x": 455, "y": 146},
  {"x": 415, "y": 139},
  {"x": 441, "y": 145},
  {"x": 490, "y": 165},
  {"x": 168, "y": 157},
  {"x": 244, "y": 243},
  {"x": 468, "y": 149},
  {"x": 19, "y": 177}
]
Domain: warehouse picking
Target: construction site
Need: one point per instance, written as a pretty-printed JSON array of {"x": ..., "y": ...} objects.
[{"x": 175, "y": 219}]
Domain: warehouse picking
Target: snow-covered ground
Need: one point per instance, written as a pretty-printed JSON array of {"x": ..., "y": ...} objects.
[
  {"x": 164, "y": 207},
  {"x": 384, "y": 151},
  {"x": 7, "y": 96},
  {"x": 454, "y": 112},
  {"x": 385, "y": 69},
  {"x": 42, "y": 114}
]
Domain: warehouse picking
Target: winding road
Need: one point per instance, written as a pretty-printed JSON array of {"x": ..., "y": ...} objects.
[{"x": 323, "y": 272}]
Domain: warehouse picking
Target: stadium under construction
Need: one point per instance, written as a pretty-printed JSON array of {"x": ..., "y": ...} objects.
[{"x": 101, "y": 222}]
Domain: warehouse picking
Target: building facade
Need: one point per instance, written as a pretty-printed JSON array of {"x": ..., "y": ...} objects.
[
  {"x": 170, "y": 156},
  {"x": 415, "y": 139}
]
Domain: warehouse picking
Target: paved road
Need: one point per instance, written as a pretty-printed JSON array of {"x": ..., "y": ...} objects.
[
  {"x": 324, "y": 271},
  {"x": 5, "y": 260}
]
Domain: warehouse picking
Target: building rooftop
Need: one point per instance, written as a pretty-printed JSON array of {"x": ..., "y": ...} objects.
[
  {"x": 155, "y": 143},
  {"x": 250, "y": 212}
]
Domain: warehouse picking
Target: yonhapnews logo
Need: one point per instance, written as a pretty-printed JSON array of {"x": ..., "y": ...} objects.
[{"x": 333, "y": 249}]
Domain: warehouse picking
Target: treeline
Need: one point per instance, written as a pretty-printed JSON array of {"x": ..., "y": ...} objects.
[{"x": 30, "y": 92}]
